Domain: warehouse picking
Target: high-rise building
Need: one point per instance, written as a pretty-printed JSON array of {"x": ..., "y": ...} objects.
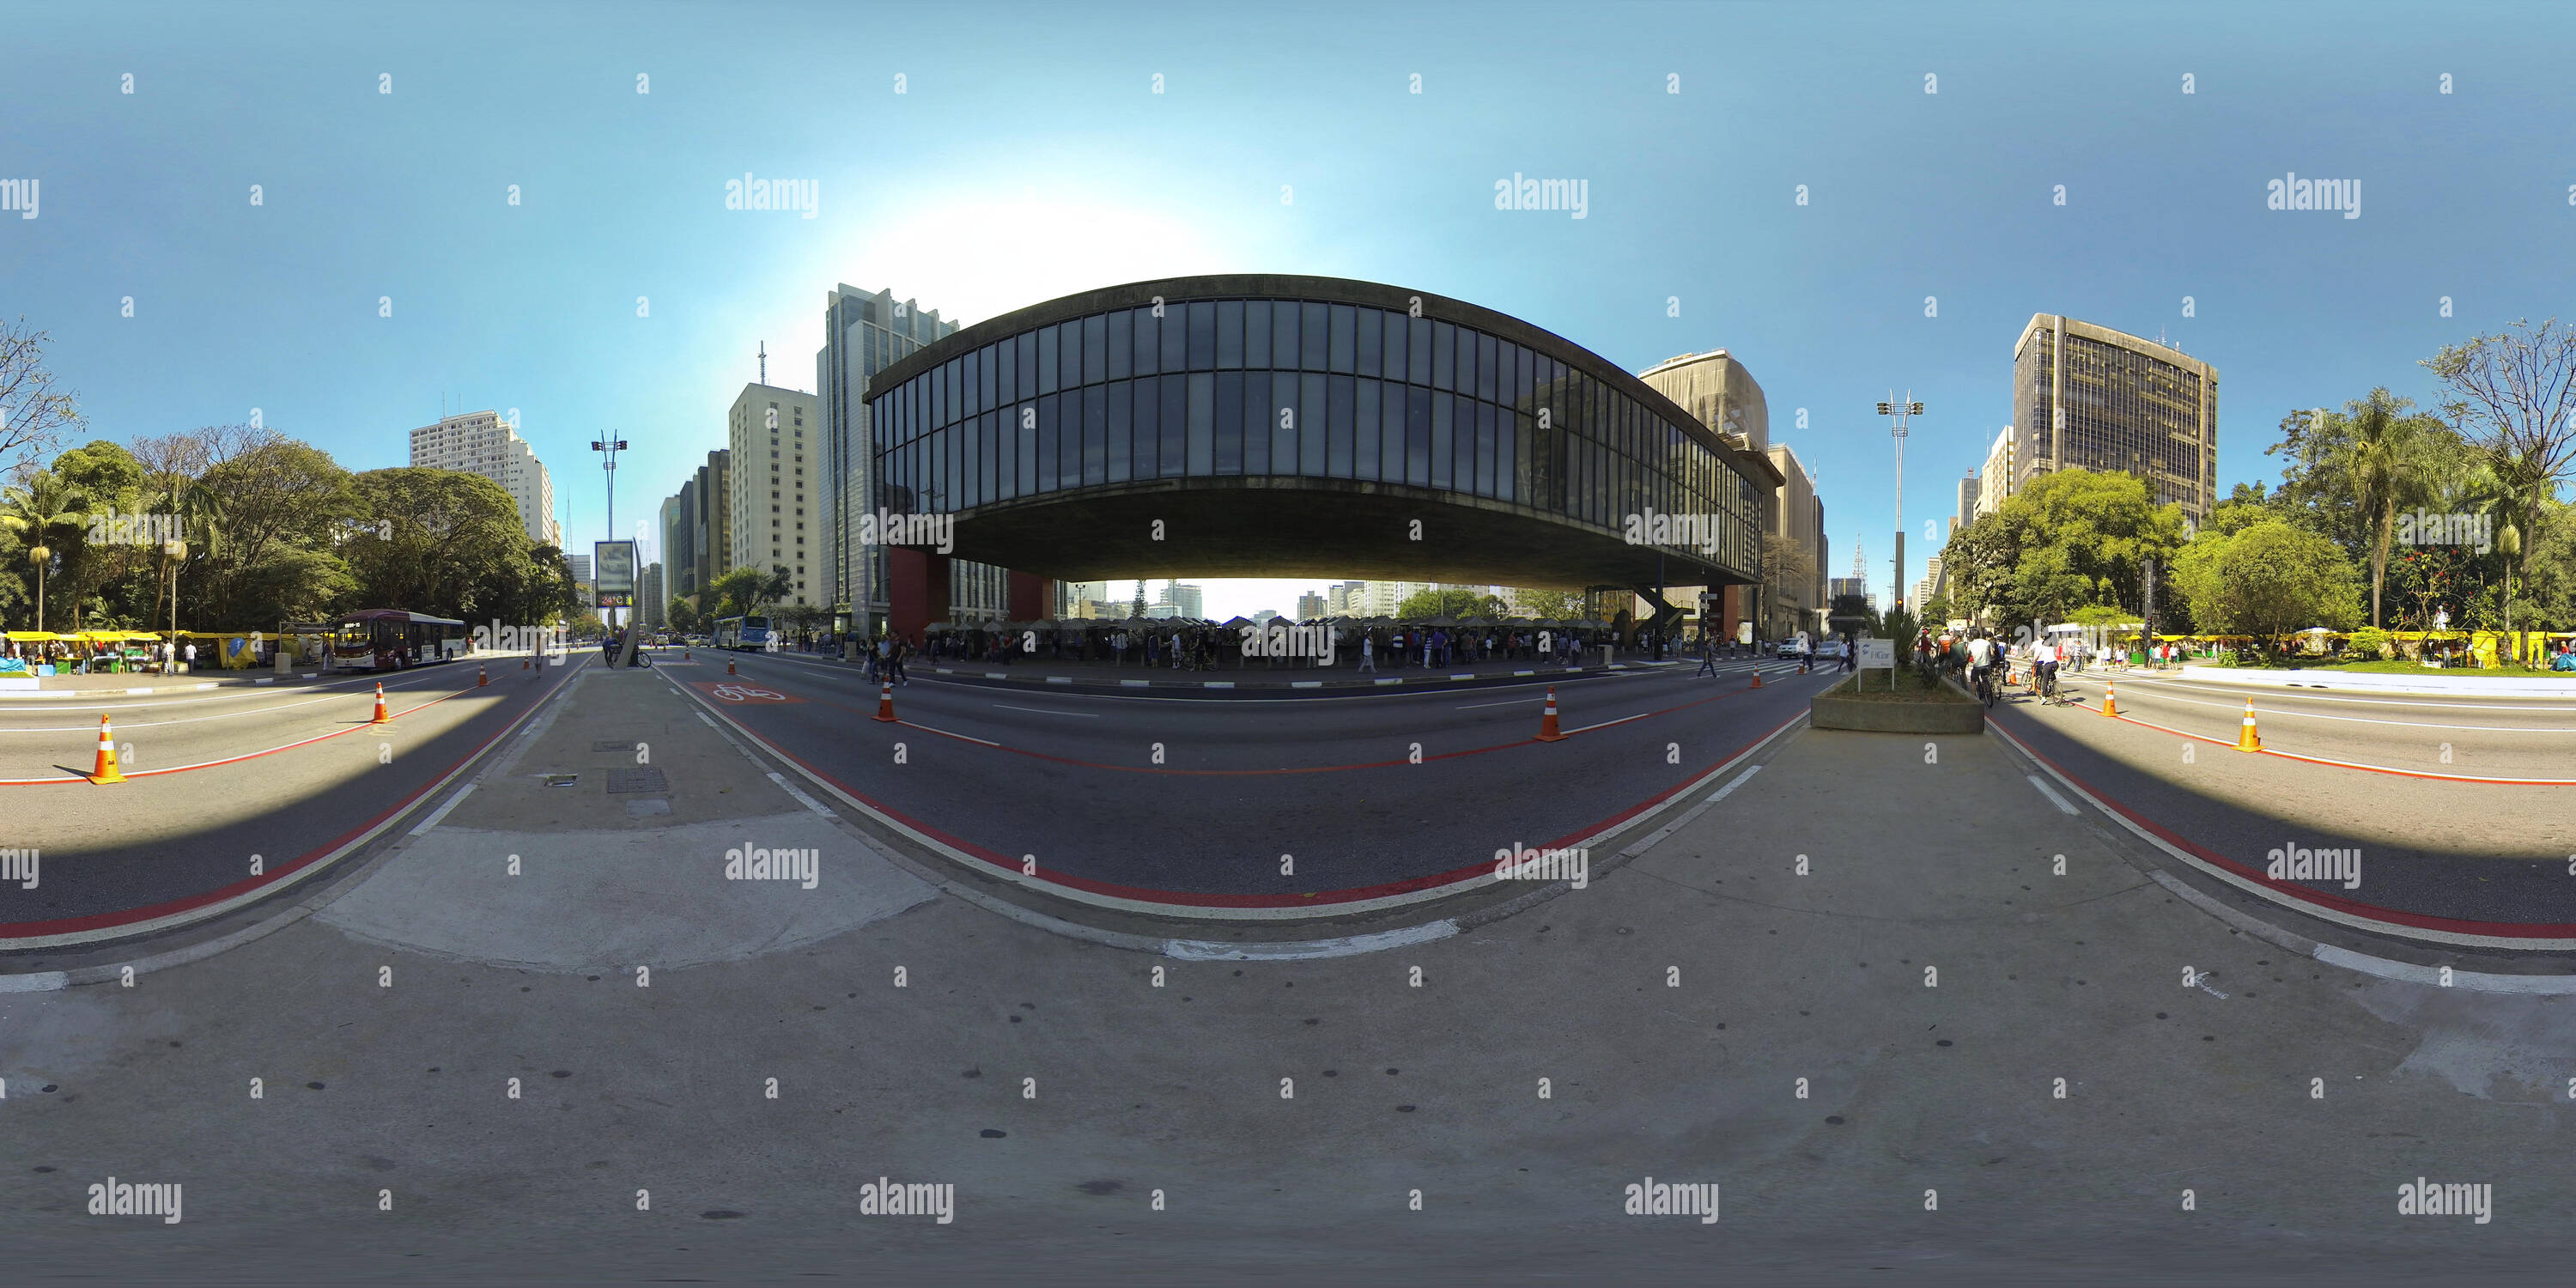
[
  {"x": 580, "y": 567},
  {"x": 1967, "y": 511},
  {"x": 480, "y": 443},
  {"x": 679, "y": 557},
  {"x": 1185, "y": 600},
  {"x": 711, "y": 537},
  {"x": 777, "y": 516},
  {"x": 863, "y": 333},
  {"x": 1795, "y": 515},
  {"x": 652, "y": 604},
  {"x": 1309, "y": 607},
  {"x": 1995, "y": 482},
  {"x": 1716, "y": 389},
  {"x": 2088, "y": 397}
]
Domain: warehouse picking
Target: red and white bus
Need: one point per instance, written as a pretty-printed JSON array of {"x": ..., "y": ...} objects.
[{"x": 390, "y": 639}]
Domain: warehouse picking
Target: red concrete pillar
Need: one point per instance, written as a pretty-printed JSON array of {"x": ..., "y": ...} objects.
[
  {"x": 1032, "y": 597},
  {"x": 916, "y": 590}
]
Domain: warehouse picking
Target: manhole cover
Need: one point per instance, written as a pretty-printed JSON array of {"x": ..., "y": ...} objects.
[{"x": 646, "y": 779}]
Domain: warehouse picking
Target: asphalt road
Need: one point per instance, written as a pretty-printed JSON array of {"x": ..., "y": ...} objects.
[
  {"x": 1190, "y": 802},
  {"x": 2452, "y": 858},
  {"x": 289, "y": 775}
]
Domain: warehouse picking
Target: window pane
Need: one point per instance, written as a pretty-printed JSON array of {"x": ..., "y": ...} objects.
[
  {"x": 1444, "y": 356},
  {"x": 1337, "y": 427},
  {"x": 1229, "y": 419},
  {"x": 1283, "y": 334},
  {"x": 1364, "y": 419},
  {"x": 1047, "y": 352},
  {"x": 1202, "y": 339},
  {"x": 1311, "y": 349},
  {"x": 1417, "y": 436},
  {"x": 1122, "y": 348},
  {"x": 1372, "y": 325},
  {"x": 1487, "y": 370},
  {"x": 1069, "y": 366},
  {"x": 1049, "y": 452},
  {"x": 990, "y": 486},
  {"x": 1253, "y": 406},
  {"x": 1175, "y": 347},
  {"x": 1006, "y": 375},
  {"x": 1484, "y": 449},
  {"x": 1148, "y": 434},
  {"x": 1202, "y": 403},
  {"x": 1444, "y": 439},
  {"x": 1026, "y": 482},
  {"x": 1310, "y": 422},
  {"x": 972, "y": 383},
  {"x": 1229, "y": 334},
  {"x": 1256, "y": 333},
  {"x": 989, "y": 376},
  {"x": 1174, "y": 421},
  {"x": 1286, "y": 419},
  {"x": 1390, "y": 437},
  {"x": 1095, "y": 349},
  {"x": 1148, "y": 341},
  {"x": 1121, "y": 423},
  {"x": 1028, "y": 366},
  {"x": 1095, "y": 436},
  {"x": 1418, "y": 349},
  {"x": 1511, "y": 457}
]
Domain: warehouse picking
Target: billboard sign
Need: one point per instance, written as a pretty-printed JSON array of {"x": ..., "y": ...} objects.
[{"x": 612, "y": 570}]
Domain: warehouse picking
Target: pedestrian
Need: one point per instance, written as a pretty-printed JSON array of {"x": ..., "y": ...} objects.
[
  {"x": 1368, "y": 654},
  {"x": 192, "y": 655},
  {"x": 1707, "y": 659},
  {"x": 894, "y": 659}
]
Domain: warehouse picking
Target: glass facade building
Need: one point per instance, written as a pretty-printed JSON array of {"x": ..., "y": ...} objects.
[
  {"x": 2088, "y": 397},
  {"x": 1296, "y": 378},
  {"x": 865, "y": 332}
]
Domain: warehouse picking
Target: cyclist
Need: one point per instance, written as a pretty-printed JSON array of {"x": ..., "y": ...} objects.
[
  {"x": 1981, "y": 668},
  {"x": 2043, "y": 669}
]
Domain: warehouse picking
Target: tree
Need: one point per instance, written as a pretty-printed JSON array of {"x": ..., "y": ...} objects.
[
  {"x": 776, "y": 585},
  {"x": 33, "y": 410},
  {"x": 2267, "y": 581},
  {"x": 2384, "y": 459},
  {"x": 1783, "y": 563},
  {"x": 444, "y": 542},
  {"x": 2071, "y": 538},
  {"x": 110, "y": 482},
  {"x": 1449, "y": 601},
  {"x": 683, "y": 615},
  {"x": 1558, "y": 604},
  {"x": 275, "y": 557},
  {"x": 38, "y": 510}
]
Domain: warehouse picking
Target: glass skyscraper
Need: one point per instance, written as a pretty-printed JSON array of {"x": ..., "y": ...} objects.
[{"x": 2088, "y": 397}]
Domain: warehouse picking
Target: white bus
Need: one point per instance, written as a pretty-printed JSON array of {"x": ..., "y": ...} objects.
[{"x": 742, "y": 634}]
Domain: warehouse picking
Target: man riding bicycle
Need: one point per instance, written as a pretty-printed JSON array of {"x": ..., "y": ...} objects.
[{"x": 1981, "y": 668}]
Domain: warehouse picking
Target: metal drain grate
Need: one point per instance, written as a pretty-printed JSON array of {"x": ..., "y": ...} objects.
[{"x": 646, "y": 779}]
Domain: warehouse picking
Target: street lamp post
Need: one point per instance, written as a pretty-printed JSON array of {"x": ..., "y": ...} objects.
[
  {"x": 608, "y": 448},
  {"x": 177, "y": 550},
  {"x": 1900, "y": 410}
]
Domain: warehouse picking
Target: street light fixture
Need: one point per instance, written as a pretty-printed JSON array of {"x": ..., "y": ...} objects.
[{"x": 1899, "y": 411}]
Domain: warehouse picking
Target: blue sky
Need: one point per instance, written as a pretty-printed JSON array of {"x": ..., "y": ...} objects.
[{"x": 1028, "y": 157}]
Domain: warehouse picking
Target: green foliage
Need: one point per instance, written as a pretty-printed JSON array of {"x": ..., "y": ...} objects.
[
  {"x": 1558, "y": 604},
  {"x": 1454, "y": 601},
  {"x": 2071, "y": 539},
  {"x": 2268, "y": 580}
]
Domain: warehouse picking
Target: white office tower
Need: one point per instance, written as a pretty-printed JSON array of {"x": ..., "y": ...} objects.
[{"x": 479, "y": 443}]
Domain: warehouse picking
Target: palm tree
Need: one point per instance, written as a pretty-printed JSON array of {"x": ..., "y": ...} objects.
[
  {"x": 43, "y": 505},
  {"x": 196, "y": 511},
  {"x": 2383, "y": 458}
]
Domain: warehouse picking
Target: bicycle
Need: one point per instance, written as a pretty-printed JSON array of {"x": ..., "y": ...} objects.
[
  {"x": 2045, "y": 678},
  {"x": 1985, "y": 683}
]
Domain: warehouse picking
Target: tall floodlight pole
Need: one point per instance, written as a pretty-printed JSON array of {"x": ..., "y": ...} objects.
[
  {"x": 608, "y": 448},
  {"x": 1900, "y": 410}
]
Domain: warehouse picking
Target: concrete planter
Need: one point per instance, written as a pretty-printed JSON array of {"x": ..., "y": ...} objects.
[{"x": 1826, "y": 712}]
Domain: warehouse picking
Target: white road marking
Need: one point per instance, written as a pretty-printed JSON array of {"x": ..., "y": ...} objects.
[
  {"x": 1513, "y": 703},
  {"x": 440, "y": 814},
  {"x": 2051, "y": 793},
  {"x": 1079, "y": 715}
]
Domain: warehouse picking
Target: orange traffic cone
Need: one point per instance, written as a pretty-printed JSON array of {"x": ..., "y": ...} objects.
[
  {"x": 481, "y": 678},
  {"x": 1547, "y": 731},
  {"x": 381, "y": 716},
  {"x": 1757, "y": 677},
  {"x": 523, "y": 664},
  {"x": 885, "y": 704},
  {"x": 2111, "y": 698},
  {"x": 105, "y": 770},
  {"x": 2246, "y": 738},
  {"x": 729, "y": 667}
]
